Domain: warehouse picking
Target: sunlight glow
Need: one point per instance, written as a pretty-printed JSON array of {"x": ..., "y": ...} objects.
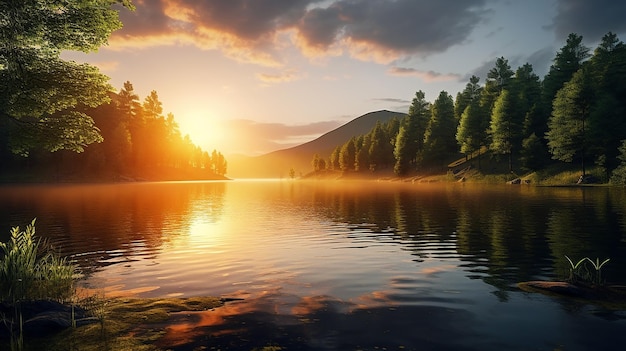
[{"x": 204, "y": 129}]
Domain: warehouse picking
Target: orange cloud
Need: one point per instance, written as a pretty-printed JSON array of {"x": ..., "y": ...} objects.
[
  {"x": 107, "y": 66},
  {"x": 251, "y": 30},
  {"x": 281, "y": 77}
]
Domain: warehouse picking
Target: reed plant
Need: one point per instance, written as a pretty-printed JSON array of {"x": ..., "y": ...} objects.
[
  {"x": 30, "y": 270},
  {"x": 580, "y": 273}
]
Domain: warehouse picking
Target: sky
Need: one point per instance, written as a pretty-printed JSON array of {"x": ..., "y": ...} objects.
[{"x": 253, "y": 76}]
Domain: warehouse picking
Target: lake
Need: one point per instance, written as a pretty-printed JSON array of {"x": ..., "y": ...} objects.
[{"x": 343, "y": 265}]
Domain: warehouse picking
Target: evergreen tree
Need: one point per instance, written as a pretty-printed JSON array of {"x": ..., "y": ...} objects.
[
  {"x": 152, "y": 107},
  {"x": 409, "y": 145},
  {"x": 498, "y": 79},
  {"x": 377, "y": 147},
  {"x": 439, "y": 137},
  {"x": 316, "y": 163},
  {"x": 532, "y": 154},
  {"x": 463, "y": 99},
  {"x": 362, "y": 147},
  {"x": 607, "y": 120},
  {"x": 347, "y": 156},
  {"x": 618, "y": 176},
  {"x": 526, "y": 88},
  {"x": 567, "y": 135},
  {"x": 334, "y": 159},
  {"x": 403, "y": 159},
  {"x": 568, "y": 61},
  {"x": 505, "y": 127},
  {"x": 471, "y": 131}
]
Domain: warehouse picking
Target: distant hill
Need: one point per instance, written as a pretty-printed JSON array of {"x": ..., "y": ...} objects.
[{"x": 278, "y": 163}]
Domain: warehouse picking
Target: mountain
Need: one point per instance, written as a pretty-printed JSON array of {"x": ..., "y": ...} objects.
[{"x": 277, "y": 164}]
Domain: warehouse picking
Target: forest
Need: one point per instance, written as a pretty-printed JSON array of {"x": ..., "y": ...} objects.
[
  {"x": 62, "y": 121},
  {"x": 137, "y": 143},
  {"x": 575, "y": 114}
]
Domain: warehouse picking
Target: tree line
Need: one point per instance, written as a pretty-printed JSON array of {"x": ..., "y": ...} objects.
[
  {"x": 577, "y": 113},
  {"x": 137, "y": 141},
  {"x": 51, "y": 110}
]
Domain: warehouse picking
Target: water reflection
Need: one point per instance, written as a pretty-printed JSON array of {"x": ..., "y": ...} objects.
[
  {"x": 342, "y": 265},
  {"x": 505, "y": 234},
  {"x": 101, "y": 225},
  {"x": 323, "y": 323}
]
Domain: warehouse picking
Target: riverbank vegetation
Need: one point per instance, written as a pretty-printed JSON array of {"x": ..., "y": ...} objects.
[
  {"x": 575, "y": 115},
  {"x": 41, "y": 308}
]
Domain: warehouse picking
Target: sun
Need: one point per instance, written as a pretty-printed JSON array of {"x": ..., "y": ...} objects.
[{"x": 205, "y": 129}]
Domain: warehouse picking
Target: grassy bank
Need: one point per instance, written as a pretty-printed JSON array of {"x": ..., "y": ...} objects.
[
  {"x": 486, "y": 170},
  {"x": 37, "y": 293}
]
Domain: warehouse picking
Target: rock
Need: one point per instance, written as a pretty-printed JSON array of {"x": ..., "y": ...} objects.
[
  {"x": 587, "y": 179},
  {"x": 562, "y": 288},
  {"x": 42, "y": 317},
  {"x": 612, "y": 297}
]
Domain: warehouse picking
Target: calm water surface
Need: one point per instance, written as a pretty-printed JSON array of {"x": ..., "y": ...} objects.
[{"x": 343, "y": 266}]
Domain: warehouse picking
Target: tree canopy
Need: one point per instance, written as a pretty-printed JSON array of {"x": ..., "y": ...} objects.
[
  {"x": 577, "y": 113},
  {"x": 41, "y": 94}
]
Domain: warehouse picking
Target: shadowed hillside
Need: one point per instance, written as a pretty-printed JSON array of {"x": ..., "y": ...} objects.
[{"x": 278, "y": 163}]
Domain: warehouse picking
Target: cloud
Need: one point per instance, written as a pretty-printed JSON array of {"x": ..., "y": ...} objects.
[
  {"x": 281, "y": 77},
  {"x": 107, "y": 66},
  {"x": 591, "y": 19},
  {"x": 394, "y": 100},
  {"x": 266, "y": 137},
  {"x": 384, "y": 30},
  {"x": 249, "y": 30},
  {"x": 541, "y": 60},
  {"x": 427, "y": 76}
]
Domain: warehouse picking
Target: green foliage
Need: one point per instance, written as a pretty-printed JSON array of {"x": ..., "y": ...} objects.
[
  {"x": 26, "y": 273},
  {"x": 502, "y": 125},
  {"x": 533, "y": 155},
  {"x": 471, "y": 133},
  {"x": 471, "y": 92},
  {"x": 318, "y": 163},
  {"x": 41, "y": 94},
  {"x": 568, "y": 61},
  {"x": 334, "y": 158},
  {"x": 139, "y": 142},
  {"x": 567, "y": 136},
  {"x": 347, "y": 156},
  {"x": 409, "y": 143},
  {"x": 618, "y": 176},
  {"x": 403, "y": 160},
  {"x": 575, "y": 114},
  {"x": 498, "y": 79},
  {"x": 439, "y": 137}
]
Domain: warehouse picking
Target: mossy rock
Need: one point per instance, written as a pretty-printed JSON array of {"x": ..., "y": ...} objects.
[
  {"x": 608, "y": 296},
  {"x": 116, "y": 322}
]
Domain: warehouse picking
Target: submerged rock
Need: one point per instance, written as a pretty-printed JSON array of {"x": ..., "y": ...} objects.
[{"x": 610, "y": 296}]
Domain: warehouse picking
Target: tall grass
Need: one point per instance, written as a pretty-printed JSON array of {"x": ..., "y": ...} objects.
[{"x": 29, "y": 270}]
